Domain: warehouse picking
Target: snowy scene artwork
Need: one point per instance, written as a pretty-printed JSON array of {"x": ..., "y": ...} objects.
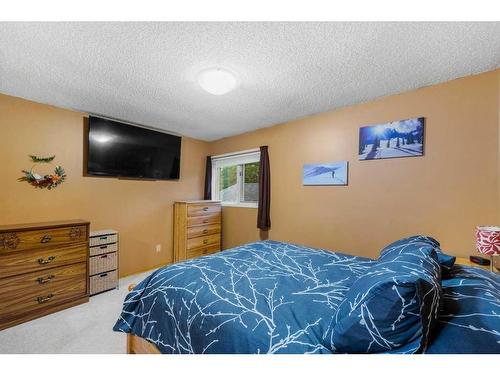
[
  {"x": 397, "y": 139},
  {"x": 325, "y": 174}
]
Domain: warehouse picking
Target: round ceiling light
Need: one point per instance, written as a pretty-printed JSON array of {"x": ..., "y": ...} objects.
[{"x": 217, "y": 81}]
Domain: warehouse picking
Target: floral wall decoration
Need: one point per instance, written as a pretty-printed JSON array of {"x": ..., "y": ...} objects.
[{"x": 48, "y": 181}]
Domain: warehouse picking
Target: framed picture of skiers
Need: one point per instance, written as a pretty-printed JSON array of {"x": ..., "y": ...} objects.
[
  {"x": 325, "y": 174},
  {"x": 396, "y": 139}
]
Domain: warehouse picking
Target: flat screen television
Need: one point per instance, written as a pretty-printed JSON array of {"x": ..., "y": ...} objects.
[{"x": 122, "y": 150}]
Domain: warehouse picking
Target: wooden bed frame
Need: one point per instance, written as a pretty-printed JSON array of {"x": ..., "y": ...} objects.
[{"x": 136, "y": 344}]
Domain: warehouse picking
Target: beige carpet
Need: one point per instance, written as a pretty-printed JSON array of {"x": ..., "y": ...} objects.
[{"x": 85, "y": 328}]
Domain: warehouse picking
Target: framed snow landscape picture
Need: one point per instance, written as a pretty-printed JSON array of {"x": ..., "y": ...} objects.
[
  {"x": 325, "y": 174},
  {"x": 397, "y": 139}
]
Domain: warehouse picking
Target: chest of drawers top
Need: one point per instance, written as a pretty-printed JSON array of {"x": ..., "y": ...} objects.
[
  {"x": 42, "y": 235},
  {"x": 42, "y": 225}
]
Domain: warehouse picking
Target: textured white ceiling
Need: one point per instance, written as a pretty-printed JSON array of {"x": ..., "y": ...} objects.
[{"x": 146, "y": 72}]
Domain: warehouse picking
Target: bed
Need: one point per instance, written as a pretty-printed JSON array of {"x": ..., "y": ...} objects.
[{"x": 275, "y": 297}]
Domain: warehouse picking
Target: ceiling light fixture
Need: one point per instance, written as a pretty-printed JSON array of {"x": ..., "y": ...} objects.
[{"x": 217, "y": 81}]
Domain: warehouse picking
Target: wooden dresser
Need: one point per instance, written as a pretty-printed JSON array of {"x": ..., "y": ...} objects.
[
  {"x": 197, "y": 229},
  {"x": 43, "y": 269}
]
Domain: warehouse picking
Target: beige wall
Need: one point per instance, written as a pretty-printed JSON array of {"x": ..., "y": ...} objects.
[
  {"x": 498, "y": 144},
  {"x": 140, "y": 210},
  {"x": 454, "y": 187},
  {"x": 446, "y": 193}
]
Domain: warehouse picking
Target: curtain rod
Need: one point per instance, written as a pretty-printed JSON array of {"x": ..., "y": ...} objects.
[{"x": 232, "y": 154}]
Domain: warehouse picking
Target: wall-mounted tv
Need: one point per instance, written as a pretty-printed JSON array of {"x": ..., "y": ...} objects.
[{"x": 122, "y": 150}]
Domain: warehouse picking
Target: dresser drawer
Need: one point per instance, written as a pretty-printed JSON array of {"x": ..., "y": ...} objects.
[
  {"x": 25, "y": 293},
  {"x": 203, "y": 230},
  {"x": 41, "y": 281},
  {"x": 20, "y": 262},
  {"x": 203, "y": 241},
  {"x": 36, "y": 239},
  {"x": 204, "y": 220},
  {"x": 200, "y": 251},
  {"x": 194, "y": 210}
]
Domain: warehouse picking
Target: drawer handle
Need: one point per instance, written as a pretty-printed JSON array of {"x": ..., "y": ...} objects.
[
  {"x": 46, "y": 261},
  {"x": 44, "y": 299},
  {"x": 44, "y": 280},
  {"x": 205, "y": 208},
  {"x": 205, "y": 242},
  {"x": 103, "y": 247},
  {"x": 103, "y": 238},
  {"x": 104, "y": 256},
  {"x": 45, "y": 239},
  {"x": 205, "y": 231},
  {"x": 103, "y": 275},
  {"x": 205, "y": 221}
]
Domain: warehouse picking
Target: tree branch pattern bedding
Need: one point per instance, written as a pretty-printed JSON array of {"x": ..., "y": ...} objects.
[{"x": 275, "y": 297}]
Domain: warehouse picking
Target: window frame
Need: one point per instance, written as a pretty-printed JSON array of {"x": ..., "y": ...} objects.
[{"x": 237, "y": 159}]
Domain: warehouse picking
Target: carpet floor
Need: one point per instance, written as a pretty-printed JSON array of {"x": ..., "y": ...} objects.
[{"x": 86, "y": 328}]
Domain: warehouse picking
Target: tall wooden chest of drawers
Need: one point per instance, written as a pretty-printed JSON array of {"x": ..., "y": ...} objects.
[
  {"x": 43, "y": 269},
  {"x": 197, "y": 229}
]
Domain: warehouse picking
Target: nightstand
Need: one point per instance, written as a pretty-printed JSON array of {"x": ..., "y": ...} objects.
[{"x": 467, "y": 262}]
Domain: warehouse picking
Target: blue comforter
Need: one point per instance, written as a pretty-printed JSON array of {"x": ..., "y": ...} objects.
[
  {"x": 274, "y": 297},
  {"x": 469, "y": 321}
]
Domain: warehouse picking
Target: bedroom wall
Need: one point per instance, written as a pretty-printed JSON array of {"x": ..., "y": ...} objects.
[
  {"x": 445, "y": 194},
  {"x": 140, "y": 210},
  {"x": 498, "y": 164}
]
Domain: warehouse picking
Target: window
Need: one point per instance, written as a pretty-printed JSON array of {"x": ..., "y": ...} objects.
[{"x": 235, "y": 179}]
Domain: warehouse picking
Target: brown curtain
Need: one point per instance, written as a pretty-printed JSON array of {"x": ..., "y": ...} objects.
[
  {"x": 263, "y": 214},
  {"x": 208, "y": 179}
]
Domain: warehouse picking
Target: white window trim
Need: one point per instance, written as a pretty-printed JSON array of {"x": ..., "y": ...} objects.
[{"x": 236, "y": 158}]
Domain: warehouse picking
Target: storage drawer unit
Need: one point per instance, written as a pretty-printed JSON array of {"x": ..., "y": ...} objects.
[
  {"x": 43, "y": 269},
  {"x": 197, "y": 229},
  {"x": 103, "y": 262}
]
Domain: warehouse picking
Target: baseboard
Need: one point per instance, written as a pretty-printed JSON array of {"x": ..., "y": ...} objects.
[{"x": 145, "y": 270}]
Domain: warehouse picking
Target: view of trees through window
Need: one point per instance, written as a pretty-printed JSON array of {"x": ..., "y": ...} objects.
[
  {"x": 229, "y": 188},
  {"x": 251, "y": 182},
  {"x": 228, "y": 178}
]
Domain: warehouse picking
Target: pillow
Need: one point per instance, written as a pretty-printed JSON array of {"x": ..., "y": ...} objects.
[
  {"x": 413, "y": 244},
  {"x": 393, "y": 307}
]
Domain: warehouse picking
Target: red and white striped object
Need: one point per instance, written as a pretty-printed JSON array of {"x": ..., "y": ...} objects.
[{"x": 488, "y": 240}]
